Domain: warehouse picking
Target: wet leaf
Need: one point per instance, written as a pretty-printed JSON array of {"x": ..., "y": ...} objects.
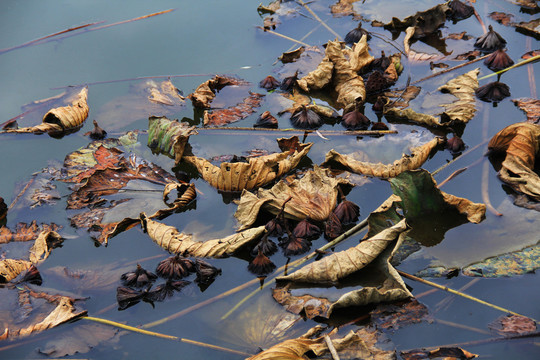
[
  {"x": 400, "y": 99},
  {"x": 408, "y": 162},
  {"x": 254, "y": 173},
  {"x": 25, "y": 232},
  {"x": 232, "y": 114},
  {"x": 292, "y": 56},
  {"x": 45, "y": 242},
  {"x": 61, "y": 120},
  {"x": 169, "y": 137},
  {"x": 355, "y": 345},
  {"x": 429, "y": 211},
  {"x": 446, "y": 352},
  {"x": 459, "y": 111},
  {"x": 510, "y": 264},
  {"x": 529, "y": 28},
  {"x": 531, "y": 107},
  {"x": 424, "y": 22},
  {"x": 81, "y": 339},
  {"x": 501, "y": 18},
  {"x": 415, "y": 57},
  {"x": 206, "y": 92},
  {"x": 175, "y": 242},
  {"x": 518, "y": 144},
  {"x": 318, "y": 78},
  {"x": 512, "y": 325},
  {"x": 10, "y": 269},
  {"x": 313, "y": 196},
  {"x": 395, "y": 316},
  {"x": 344, "y": 8},
  {"x": 305, "y": 305},
  {"x": 148, "y": 98}
]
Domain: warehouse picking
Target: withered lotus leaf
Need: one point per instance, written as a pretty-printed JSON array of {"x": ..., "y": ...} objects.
[
  {"x": 61, "y": 120},
  {"x": 169, "y": 136},
  {"x": 490, "y": 41},
  {"x": 318, "y": 78},
  {"x": 531, "y": 107},
  {"x": 511, "y": 325},
  {"x": 256, "y": 172},
  {"x": 175, "y": 242},
  {"x": 407, "y": 162},
  {"x": 206, "y": 92},
  {"x": 307, "y": 305},
  {"x": 261, "y": 265},
  {"x": 520, "y": 143},
  {"x": 166, "y": 94},
  {"x": 43, "y": 246},
  {"x": 235, "y": 113},
  {"x": 443, "y": 352},
  {"x": 356, "y": 34},
  {"x": 10, "y": 269},
  {"x": 25, "y": 232},
  {"x": 313, "y": 196},
  {"x": 425, "y": 22},
  {"x": 338, "y": 265}
]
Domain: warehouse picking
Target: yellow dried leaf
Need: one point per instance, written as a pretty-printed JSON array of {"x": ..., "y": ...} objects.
[
  {"x": 41, "y": 249},
  {"x": 254, "y": 173},
  {"x": 313, "y": 196},
  {"x": 521, "y": 144},
  {"x": 10, "y": 269},
  {"x": 359, "y": 56},
  {"x": 206, "y": 92},
  {"x": 407, "y": 162},
  {"x": 318, "y": 78},
  {"x": 175, "y": 242}
]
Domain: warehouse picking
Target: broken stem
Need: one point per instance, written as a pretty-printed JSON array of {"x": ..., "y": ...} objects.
[
  {"x": 331, "y": 347},
  {"x": 163, "y": 336},
  {"x": 282, "y": 36},
  {"x": 445, "y": 288},
  {"x": 302, "y": 132},
  {"x": 318, "y": 19},
  {"x": 452, "y": 69}
]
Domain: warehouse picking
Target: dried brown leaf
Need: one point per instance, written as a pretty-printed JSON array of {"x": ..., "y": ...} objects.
[
  {"x": 520, "y": 143},
  {"x": 531, "y": 107},
  {"x": 206, "y": 92},
  {"x": 306, "y": 305},
  {"x": 25, "y": 232},
  {"x": 511, "y": 325},
  {"x": 238, "y": 112},
  {"x": 10, "y": 269},
  {"x": 318, "y": 78},
  {"x": 407, "y": 162},
  {"x": 43, "y": 246},
  {"x": 359, "y": 56},
  {"x": 313, "y": 196},
  {"x": 175, "y": 242},
  {"x": 446, "y": 352},
  {"x": 256, "y": 172}
]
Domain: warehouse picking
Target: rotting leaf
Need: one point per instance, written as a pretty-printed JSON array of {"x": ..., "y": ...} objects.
[
  {"x": 25, "y": 232},
  {"x": 515, "y": 263},
  {"x": 313, "y": 196},
  {"x": 148, "y": 98},
  {"x": 318, "y": 78},
  {"x": 501, "y": 18},
  {"x": 62, "y": 120},
  {"x": 531, "y": 107},
  {"x": 424, "y": 22},
  {"x": 407, "y": 162},
  {"x": 395, "y": 316},
  {"x": 306, "y": 305},
  {"x": 206, "y": 92},
  {"x": 446, "y": 352},
  {"x": 255, "y": 172},
  {"x": 512, "y": 325},
  {"x": 10, "y": 269},
  {"x": 175, "y": 242},
  {"x": 45, "y": 242},
  {"x": 531, "y": 27},
  {"x": 169, "y": 136},
  {"x": 519, "y": 145},
  {"x": 459, "y": 111},
  {"x": 232, "y": 114}
]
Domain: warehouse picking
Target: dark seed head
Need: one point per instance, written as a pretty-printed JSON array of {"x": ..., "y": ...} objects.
[
  {"x": 261, "y": 265},
  {"x": 333, "y": 227},
  {"x": 306, "y": 230},
  {"x": 498, "y": 60},
  {"x": 381, "y": 63},
  {"x": 32, "y": 276},
  {"x": 206, "y": 273},
  {"x": 295, "y": 246},
  {"x": 167, "y": 290},
  {"x": 3, "y": 208},
  {"x": 356, "y": 34},
  {"x": 267, "y": 246},
  {"x": 269, "y": 83},
  {"x": 275, "y": 227},
  {"x": 97, "y": 133},
  {"x": 376, "y": 82},
  {"x": 289, "y": 82},
  {"x": 379, "y": 125},
  {"x": 490, "y": 41},
  {"x": 138, "y": 278},
  {"x": 175, "y": 267},
  {"x": 378, "y": 106},
  {"x": 266, "y": 120},
  {"x": 460, "y": 11},
  {"x": 347, "y": 212},
  {"x": 355, "y": 120},
  {"x": 455, "y": 144},
  {"x": 127, "y": 297},
  {"x": 304, "y": 118},
  {"x": 493, "y": 92}
]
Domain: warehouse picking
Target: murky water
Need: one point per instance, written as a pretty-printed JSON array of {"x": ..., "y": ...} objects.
[{"x": 218, "y": 37}]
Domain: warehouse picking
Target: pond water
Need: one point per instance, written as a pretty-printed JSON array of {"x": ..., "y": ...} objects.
[{"x": 202, "y": 38}]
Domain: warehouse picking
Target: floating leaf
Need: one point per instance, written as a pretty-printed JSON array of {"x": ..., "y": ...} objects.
[
  {"x": 238, "y": 112},
  {"x": 256, "y": 172},
  {"x": 446, "y": 352},
  {"x": 206, "y": 92},
  {"x": 305, "y": 305},
  {"x": 424, "y": 22},
  {"x": 395, "y": 316},
  {"x": 169, "y": 137},
  {"x": 531, "y": 27},
  {"x": 318, "y": 78},
  {"x": 531, "y": 107},
  {"x": 501, "y": 18},
  {"x": 512, "y": 325},
  {"x": 43, "y": 246},
  {"x": 459, "y": 111},
  {"x": 25, "y": 232},
  {"x": 175, "y": 242},
  {"x": 148, "y": 98},
  {"x": 62, "y": 120},
  {"x": 313, "y": 196},
  {"x": 510, "y": 264},
  {"x": 408, "y": 162},
  {"x": 10, "y": 269},
  {"x": 519, "y": 144}
]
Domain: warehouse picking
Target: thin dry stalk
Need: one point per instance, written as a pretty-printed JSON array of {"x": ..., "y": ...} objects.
[
  {"x": 282, "y": 36},
  {"x": 461, "y": 326},
  {"x": 444, "y": 303},
  {"x": 318, "y": 19},
  {"x": 451, "y": 69},
  {"x": 485, "y": 168},
  {"x": 331, "y": 347},
  {"x": 452, "y": 175},
  {"x": 300, "y": 132}
]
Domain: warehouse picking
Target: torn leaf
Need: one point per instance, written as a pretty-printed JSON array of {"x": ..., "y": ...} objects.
[{"x": 206, "y": 92}]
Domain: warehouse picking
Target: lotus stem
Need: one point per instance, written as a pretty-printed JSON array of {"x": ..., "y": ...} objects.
[
  {"x": 445, "y": 288},
  {"x": 452, "y": 69},
  {"x": 282, "y": 36}
]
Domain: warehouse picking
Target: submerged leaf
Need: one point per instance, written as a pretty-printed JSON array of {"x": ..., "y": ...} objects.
[
  {"x": 531, "y": 107},
  {"x": 512, "y": 325},
  {"x": 256, "y": 172},
  {"x": 313, "y": 196},
  {"x": 446, "y": 352},
  {"x": 206, "y": 92},
  {"x": 408, "y": 162},
  {"x": 306, "y": 305},
  {"x": 168, "y": 137},
  {"x": 235, "y": 113},
  {"x": 175, "y": 242},
  {"x": 519, "y": 145}
]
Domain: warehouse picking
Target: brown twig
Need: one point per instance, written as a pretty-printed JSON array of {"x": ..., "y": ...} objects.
[
  {"x": 331, "y": 347},
  {"x": 480, "y": 21},
  {"x": 30, "y": 182},
  {"x": 282, "y": 36},
  {"x": 302, "y": 132},
  {"x": 38, "y": 40}
]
